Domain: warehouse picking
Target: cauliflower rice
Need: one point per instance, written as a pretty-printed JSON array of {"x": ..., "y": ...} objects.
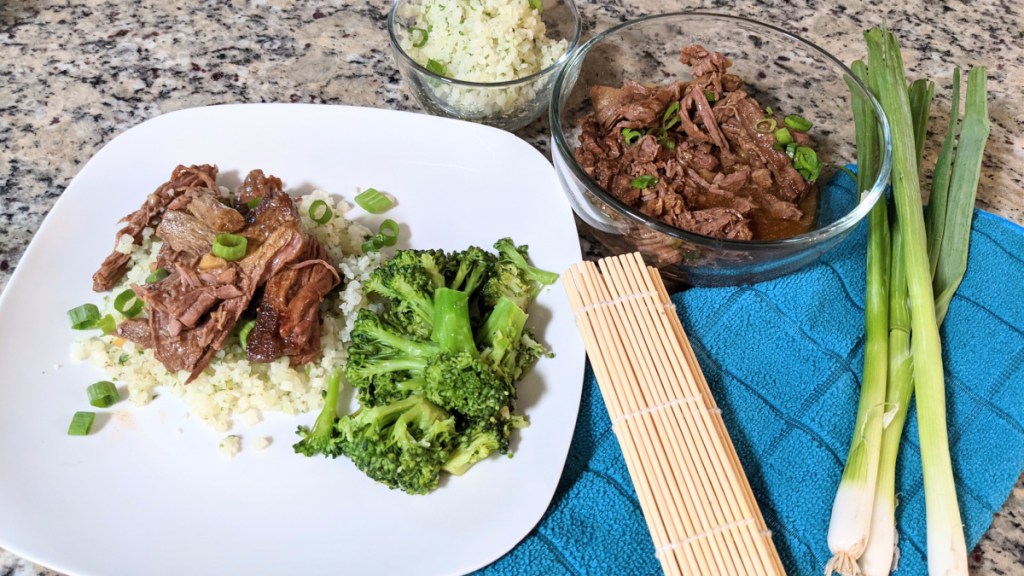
[
  {"x": 231, "y": 388},
  {"x": 481, "y": 41}
]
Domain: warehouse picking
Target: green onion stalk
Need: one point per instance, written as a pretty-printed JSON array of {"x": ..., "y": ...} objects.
[
  {"x": 947, "y": 550},
  {"x": 851, "y": 509},
  {"x": 949, "y": 221}
]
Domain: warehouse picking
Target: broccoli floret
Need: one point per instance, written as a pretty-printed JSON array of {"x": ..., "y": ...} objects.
[
  {"x": 321, "y": 438},
  {"x": 481, "y": 439},
  {"x": 403, "y": 444},
  {"x": 513, "y": 277},
  {"x": 380, "y": 359},
  {"x": 434, "y": 262},
  {"x": 463, "y": 383},
  {"x": 508, "y": 348},
  {"x": 474, "y": 266},
  {"x": 409, "y": 291}
]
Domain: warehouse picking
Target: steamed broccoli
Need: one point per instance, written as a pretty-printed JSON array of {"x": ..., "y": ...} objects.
[
  {"x": 320, "y": 439},
  {"x": 384, "y": 364},
  {"x": 514, "y": 277},
  {"x": 403, "y": 444},
  {"x": 436, "y": 368}
]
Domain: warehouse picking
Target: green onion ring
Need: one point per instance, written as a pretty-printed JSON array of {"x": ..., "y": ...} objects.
[
  {"x": 798, "y": 123},
  {"x": 81, "y": 423},
  {"x": 123, "y": 299},
  {"x": 765, "y": 125},
  {"x": 157, "y": 275},
  {"x": 425, "y": 34},
  {"x": 325, "y": 215},
  {"x": 782, "y": 136},
  {"x": 102, "y": 394},
  {"x": 84, "y": 317},
  {"x": 230, "y": 247},
  {"x": 373, "y": 201},
  {"x": 243, "y": 334},
  {"x": 388, "y": 232}
]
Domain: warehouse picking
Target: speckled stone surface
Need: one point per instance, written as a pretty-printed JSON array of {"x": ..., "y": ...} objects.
[{"x": 74, "y": 74}]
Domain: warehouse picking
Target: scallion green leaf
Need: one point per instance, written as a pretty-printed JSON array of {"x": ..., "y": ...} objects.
[
  {"x": 631, "y": 136},
  {"x": 122, "y": 301},
  {"x": 320, "y": 212},
  {"x": 157, "y": 275},
  {"x": 388, "y": 232},
  {"x": 107, "y": 324},
  {"x": 765, "y": 125},
  {"x": 102, "y": 394},
  {"x": 671, "y": 116},
  {"x": 81, "y": 423},
  {"x": 373, "y": 201},
  {"x": 243, "y": 334},
  {"x": 254, "y": 202},
  {"x": 436, "y": 67},
  {"x": 798, "y": 123},
  {"x": 423, "y": 33},
  {"x": 643, "y": 182},
  {"x": 84, "y": 317},
  {"x": 229, "y": 246},
  {"x": 783, "y": 137},
  {"x": 806, "y": 162}
]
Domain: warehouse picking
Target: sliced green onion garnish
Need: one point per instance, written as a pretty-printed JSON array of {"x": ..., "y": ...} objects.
[
  {"x": 157, "y": 276},
  {"x": 243, "y": 334},
  {"x": 631, "y": 136},
  {"x": 536, "y": 5},
  {"x": 323, "y": 209},
  {"x": 782, "y": 136},
  {"x": 372, "y": 244},
  {"x": 798, "y": 123},
  {"x": 81, "y": 423},
  {"x": 84, "y": 317},
  {"x": 768, "y": 110},
  {"x": 424, "y": 35},
  {"x": 107, "y": 324},
  {"x": 642, "y": 182},
  {"x": 710, "y": 96},
  {"x": 765, "y": 125},
  {"x": 806, "y": 162},
  {"x": 373, "y": 201},
  {"x": 388, "y": 232},
  {"x": 103, "y": 394},
  {"x": 667, "y": 143},
  {"x": 791, "y": 149},
  {"x": 122, "y": 301},
  {"x": 671, "y": 116},
  {"x": 229, "y": 246},
  {"x": 253, "y": 203},
  {"x": 436, "y": 67},
  {"x": 123, "y": 358}
]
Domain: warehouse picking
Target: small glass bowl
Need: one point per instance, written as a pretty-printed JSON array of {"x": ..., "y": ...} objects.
[
  {"x": 509, "y": 105},
  {"x": 780, "y": 70}
]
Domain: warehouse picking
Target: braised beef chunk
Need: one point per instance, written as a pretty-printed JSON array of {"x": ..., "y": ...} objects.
[
  {"x": 182, "y": 180},
  {"x": 192, "y": 311},
  {"x": 716, "y": 168}
]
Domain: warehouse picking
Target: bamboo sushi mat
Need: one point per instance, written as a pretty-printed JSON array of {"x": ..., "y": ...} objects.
[{"x": 693, "y": 492}]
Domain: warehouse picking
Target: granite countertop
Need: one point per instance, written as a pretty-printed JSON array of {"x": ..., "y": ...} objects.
[{"x": 76, "y": 73}]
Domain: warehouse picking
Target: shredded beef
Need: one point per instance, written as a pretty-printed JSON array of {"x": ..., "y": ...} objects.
[
  {"x": 191, "y": 312},
  {"x": 716, "y": 171}
]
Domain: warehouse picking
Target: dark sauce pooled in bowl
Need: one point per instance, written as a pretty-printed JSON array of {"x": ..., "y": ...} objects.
[{"x": 703, "y": 156}]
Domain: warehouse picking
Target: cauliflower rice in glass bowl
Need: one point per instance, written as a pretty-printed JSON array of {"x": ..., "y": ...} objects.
[
  {"x": 782, "y": 72},
  {"x": 487, "y": 61}
]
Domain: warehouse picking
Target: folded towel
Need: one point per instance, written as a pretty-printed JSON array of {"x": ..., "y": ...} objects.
[{"x": 783, "y": 359}]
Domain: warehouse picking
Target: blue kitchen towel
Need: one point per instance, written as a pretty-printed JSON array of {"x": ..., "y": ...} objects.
[{"x": 783, "y": 359}]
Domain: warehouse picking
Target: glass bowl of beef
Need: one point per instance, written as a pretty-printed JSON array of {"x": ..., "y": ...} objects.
[
  {"x": 487, "y": 61},
  {"x": 714, "y": 145}
]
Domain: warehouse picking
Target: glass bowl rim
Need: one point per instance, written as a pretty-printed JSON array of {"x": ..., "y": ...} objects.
[
  {"x": 396, "y": 47},
  {"x": 812, "y": 237}
]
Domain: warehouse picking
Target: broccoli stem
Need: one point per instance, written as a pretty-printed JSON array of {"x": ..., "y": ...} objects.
[
  {"x": 502, "y": 329},
  {"x": 452, "y": 330},
  {"x": 319, "y": 439}
]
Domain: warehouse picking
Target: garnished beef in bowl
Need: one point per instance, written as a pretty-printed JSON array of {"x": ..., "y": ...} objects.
[{"x": 714, "y": 145}]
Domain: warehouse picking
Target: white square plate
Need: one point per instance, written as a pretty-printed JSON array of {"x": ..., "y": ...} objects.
[{"x": 148, "y": 492}]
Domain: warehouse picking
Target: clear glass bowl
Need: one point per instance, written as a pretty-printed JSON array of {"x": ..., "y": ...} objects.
[
  {"x": 508, "y": 105},
  {"x": 780, "y": 70}
]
